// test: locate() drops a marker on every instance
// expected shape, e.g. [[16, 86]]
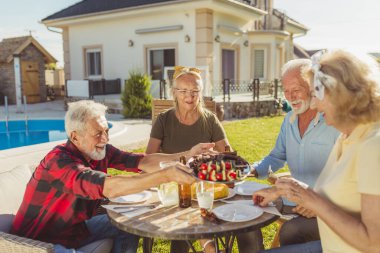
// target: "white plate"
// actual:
[[248, 188], [133, 198], [231, 193], [237, 212]]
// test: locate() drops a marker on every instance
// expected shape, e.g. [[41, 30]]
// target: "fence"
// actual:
[[104, 87], [91, 88], [229, 87]]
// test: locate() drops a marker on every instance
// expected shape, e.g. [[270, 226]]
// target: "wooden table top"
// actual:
[[175, 223]]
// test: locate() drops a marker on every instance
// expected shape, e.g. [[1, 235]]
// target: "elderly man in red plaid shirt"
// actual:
[[62, 197]]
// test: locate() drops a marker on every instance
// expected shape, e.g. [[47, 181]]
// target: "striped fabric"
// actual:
[[16, 244]]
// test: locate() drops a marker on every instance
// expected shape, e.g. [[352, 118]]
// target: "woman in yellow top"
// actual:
[[346, 197]]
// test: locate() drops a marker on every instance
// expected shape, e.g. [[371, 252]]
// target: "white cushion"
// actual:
[[12, 187]]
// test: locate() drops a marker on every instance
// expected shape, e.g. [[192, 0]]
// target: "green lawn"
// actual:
[[252, 138]]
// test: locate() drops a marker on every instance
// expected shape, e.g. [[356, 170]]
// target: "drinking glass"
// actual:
[[205, 194], [168, 194]]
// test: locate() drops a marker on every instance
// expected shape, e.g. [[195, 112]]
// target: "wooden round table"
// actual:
[[175, 223]]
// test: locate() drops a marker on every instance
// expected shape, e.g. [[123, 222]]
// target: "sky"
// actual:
[[23, 17], [347, 24]]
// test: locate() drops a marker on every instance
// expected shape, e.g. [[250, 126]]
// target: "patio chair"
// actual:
[[13, 182], [161, 105]]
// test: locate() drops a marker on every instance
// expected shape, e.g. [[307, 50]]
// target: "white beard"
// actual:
[[95, 155], [305, 105]]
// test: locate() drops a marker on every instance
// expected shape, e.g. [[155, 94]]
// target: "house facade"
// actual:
[[22, 70], [236, 40]]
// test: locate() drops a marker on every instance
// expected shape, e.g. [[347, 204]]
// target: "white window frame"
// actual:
[[88, 51]]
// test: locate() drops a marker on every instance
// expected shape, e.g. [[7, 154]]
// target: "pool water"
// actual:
[[34, 132]]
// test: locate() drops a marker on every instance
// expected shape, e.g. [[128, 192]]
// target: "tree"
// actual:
[[136, 98], [51, 66]]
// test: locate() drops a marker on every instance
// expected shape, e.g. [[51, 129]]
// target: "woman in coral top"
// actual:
[[346, 197]]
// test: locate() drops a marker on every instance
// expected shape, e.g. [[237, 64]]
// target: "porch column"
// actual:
[[205, 44], [17, 70]]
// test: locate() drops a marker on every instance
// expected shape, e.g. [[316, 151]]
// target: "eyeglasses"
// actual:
[[183, 92]]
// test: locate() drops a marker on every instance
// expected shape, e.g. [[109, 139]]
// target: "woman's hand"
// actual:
[[304, 211], [298, 192], [264, 196], [202, 148]]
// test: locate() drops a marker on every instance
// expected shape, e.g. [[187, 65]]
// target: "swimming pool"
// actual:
[[34, 132]]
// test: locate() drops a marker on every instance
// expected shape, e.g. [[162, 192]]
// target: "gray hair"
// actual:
[[302, 64], [80, 112], [198, 79], [199, 82]]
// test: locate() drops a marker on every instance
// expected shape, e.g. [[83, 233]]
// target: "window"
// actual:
[[94, 62], [158, 60], [259, 63]]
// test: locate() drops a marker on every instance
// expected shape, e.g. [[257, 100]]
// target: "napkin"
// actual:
[[271, 210], [267, 209], [127, 212]]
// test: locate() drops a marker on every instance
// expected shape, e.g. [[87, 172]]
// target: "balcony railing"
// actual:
[[104, 87], [91, 88], [229, 87]]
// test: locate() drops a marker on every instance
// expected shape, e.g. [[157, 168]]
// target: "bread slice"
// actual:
[[220, 191]]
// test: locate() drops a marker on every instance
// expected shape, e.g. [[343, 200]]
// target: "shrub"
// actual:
[[136, 98]]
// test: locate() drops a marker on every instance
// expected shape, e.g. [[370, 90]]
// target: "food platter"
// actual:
[[221, 168]]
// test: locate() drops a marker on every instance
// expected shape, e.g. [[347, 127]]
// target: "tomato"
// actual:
[[231, 175], [203, 166], [228, 165], [202, 176], [213, 166], [219, 176]]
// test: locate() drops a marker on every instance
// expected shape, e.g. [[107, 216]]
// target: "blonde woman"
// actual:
[[188, 122], [346, 197]]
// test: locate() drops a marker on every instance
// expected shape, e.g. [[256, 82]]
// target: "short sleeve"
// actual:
[[218, 132], [157, 131], [368, 165]]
